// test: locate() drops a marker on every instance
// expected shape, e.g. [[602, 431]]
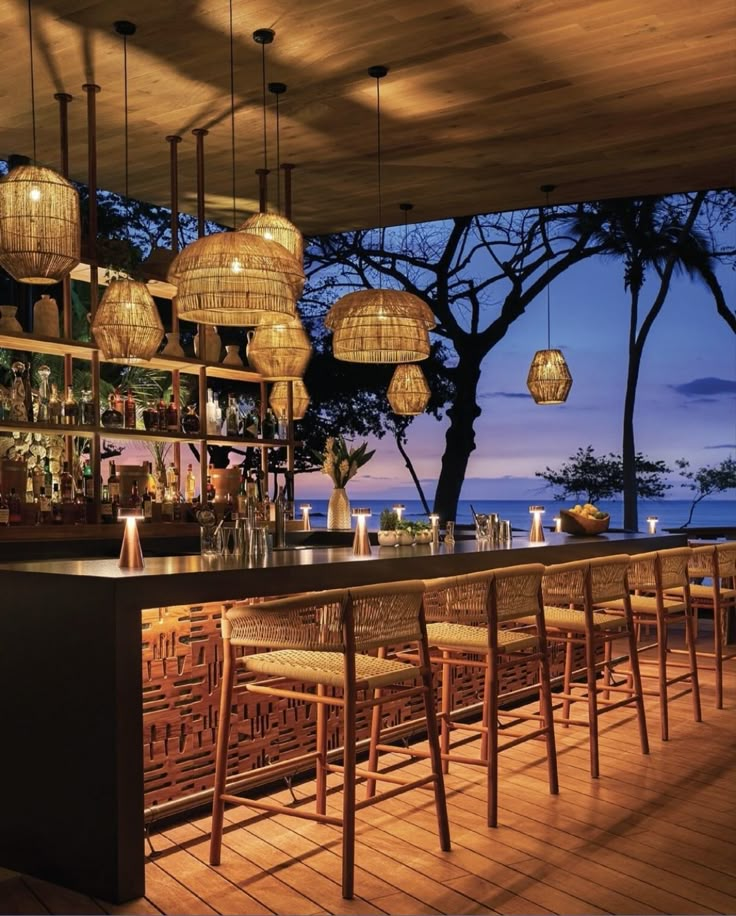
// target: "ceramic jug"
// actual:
[[8, 321], [212, 345], [46, 317]]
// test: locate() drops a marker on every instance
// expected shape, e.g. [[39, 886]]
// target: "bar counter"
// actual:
[[73, 696]]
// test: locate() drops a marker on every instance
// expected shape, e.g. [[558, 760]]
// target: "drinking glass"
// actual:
[[208, 541], [482, 530], [228, 541]]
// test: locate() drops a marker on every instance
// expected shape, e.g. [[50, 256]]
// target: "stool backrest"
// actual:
[[310, 620], [564, 583], [643, 571], [608, 577], [702, 561], [595, 580], [387, 614], [459, 599], [673, 567], [726, 558], [517, 590]]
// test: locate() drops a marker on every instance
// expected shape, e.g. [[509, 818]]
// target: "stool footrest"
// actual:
[[282, 809]]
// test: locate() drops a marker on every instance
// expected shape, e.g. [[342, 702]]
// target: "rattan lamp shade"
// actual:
[[408, 391], [300, 398], [127, 326], [235, 278], [280, 351], [380, 326], [39, 225], [276, 228], [549, 379]]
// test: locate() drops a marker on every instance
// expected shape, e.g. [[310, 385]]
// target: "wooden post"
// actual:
[[92, 89], [173, 140], [288, 168]]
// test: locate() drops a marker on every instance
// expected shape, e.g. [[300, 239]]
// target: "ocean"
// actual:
[[672, 513]]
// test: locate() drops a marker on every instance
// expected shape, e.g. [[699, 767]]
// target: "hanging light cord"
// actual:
[[378, 150], [125, 108], [549, 345], [263, 83], [33, 81], [232, 116], [278, 157]]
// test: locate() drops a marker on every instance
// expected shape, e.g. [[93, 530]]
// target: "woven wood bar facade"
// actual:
[[182, 665]]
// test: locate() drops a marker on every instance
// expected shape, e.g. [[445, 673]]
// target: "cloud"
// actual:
[[503, 394], [730, 447], [704, 387]]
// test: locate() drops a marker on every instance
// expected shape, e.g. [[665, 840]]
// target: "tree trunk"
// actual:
[[412, 472], [628, 447], [459, 439]]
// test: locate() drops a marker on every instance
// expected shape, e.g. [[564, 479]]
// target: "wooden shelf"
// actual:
[[54, 346], [254, 443], [217, 370], [47, 429], [146, 435]]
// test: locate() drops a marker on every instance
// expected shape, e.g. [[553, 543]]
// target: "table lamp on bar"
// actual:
[[558, 523], [131, 554], [536, 535], [305, 510], [435, 522], [398, 509], [361, 542], [652, 524]]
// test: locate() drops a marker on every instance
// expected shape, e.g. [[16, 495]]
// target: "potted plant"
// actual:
[[341, 464], [422, 533], [388, 534], [406, 533]]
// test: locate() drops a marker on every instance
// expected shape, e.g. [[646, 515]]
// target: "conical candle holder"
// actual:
[[131, 554]]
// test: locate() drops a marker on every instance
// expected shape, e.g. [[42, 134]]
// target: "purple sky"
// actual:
[[686, 404]]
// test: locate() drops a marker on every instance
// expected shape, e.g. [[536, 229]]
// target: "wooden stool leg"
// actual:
[[545, 706], [446, 701], [635, 680], [321, 762], [223, 739], [592, 702], [567, 678], [376, 714], [662, 665], [490, 702], [430, 712], [348, 796], [486, 715], [718, 640], [692, 653]]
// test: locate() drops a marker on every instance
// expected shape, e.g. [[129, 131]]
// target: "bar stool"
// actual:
[[571, 591], [321, 640], [716, 562], [651, 575], [470, 620]]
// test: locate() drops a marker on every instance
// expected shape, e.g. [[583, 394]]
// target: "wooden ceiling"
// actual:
[[485, 99]]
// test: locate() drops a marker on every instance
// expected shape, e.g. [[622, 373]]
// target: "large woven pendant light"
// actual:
[[377, 325], [280, 351], [235, 278], [549, 380], [273, 226], [40, 235], [408, 391], [127, 326], [278, 399]]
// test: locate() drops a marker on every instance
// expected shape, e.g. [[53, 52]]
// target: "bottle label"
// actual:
[[106, 510], [147, 508], [4, 516], [114, 490]]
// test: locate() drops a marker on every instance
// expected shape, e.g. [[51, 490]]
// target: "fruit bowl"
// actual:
[[581, 525]]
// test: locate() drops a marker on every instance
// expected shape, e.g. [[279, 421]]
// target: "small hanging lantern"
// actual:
[[40, 239], [280, 351], [299, 402], [275, 228], [408, 392], [127, 326], [549, 380]]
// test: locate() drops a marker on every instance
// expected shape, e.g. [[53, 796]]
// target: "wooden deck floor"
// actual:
[[655, 834]]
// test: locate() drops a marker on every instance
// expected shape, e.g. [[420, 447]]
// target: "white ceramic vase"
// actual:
[[232, 356], [212, 345], [8, 321], [46, 317]]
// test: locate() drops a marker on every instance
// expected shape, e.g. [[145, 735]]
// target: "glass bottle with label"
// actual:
[[172, 416], [71, 408], [269, 429], [210, 492], [86, 408], [231, 417], [67, 484], [190, 485], [44, 507], [211, 414], [151, 481], [88, 481], [113, 484], [129, 412], [54, 405], [29, 486], [190, 420], [44, 392], [150, 416], [147, 504], [283, 426], [14, 507], [106, 505], [161, 414], [118, 401], [111, 418], [4, 512]]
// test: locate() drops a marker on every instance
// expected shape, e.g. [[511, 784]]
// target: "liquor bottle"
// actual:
[[44, 507], [210, 492], [4, 512], [56, 517], [71, 408], [283, 426], [67, 484], [231, 417], [54, 405], [28, 391], [269, 428], [129, 412], [29, 486], [151, 482], [113, 484], [48, 477], [147, 503], [250, 424], [177, 507], [88, 481], [167, 507], [39, 480], [106, 505], [161, 414], [118, 401], [14, 510], [211, 414], [43, 394], [190, 420], [243, 493], [190, 484], [111, 418], [135, 497], [172, 416], [172, 480], [86, 408], [150, 416]]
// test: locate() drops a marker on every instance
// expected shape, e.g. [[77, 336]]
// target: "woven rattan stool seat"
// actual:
[[572, 621], [329, 668], [702, 592], [460, 636], [646, 604]]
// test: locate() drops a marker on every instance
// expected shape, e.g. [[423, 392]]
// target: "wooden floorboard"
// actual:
[[655, 834]]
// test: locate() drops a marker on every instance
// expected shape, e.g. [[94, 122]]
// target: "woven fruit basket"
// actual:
[[582, 525]]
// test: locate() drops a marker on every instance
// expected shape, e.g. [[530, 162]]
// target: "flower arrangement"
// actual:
[[341, 463]]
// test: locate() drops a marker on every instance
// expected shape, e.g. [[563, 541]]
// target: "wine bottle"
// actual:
[[130, 411], [67, 484]]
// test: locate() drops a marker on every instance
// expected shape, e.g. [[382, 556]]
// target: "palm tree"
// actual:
[[652, 236]]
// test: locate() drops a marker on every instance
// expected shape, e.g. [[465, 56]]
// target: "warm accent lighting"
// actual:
[[408, 393], [234, 278], [305, 510], [435, 523], [40, 238], [380, 326], [361, 542], [275, 228], [549, 380], [280, 351], [558, 523], [399, 509], [131, 554], [536, 534], [652, 524], [127, 326], [299, 401]]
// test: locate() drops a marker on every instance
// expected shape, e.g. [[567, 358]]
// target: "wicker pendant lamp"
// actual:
[[40, 235], [280, 351], [127, 326], [380, 325], [299, 402], [549, 380], [235, 278], [408, 392]]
